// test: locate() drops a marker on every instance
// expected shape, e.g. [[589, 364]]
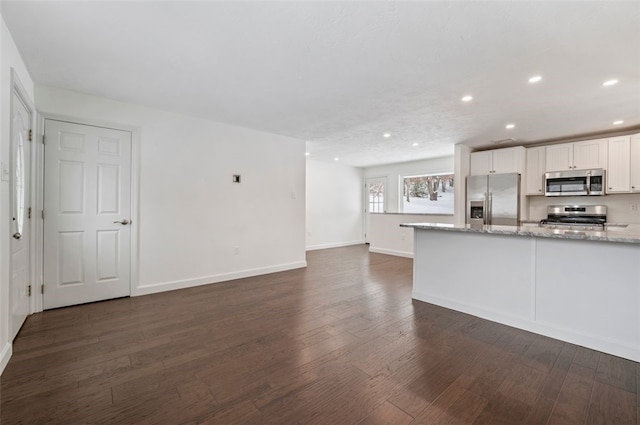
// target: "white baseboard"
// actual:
[[391, 252], [615, 347], [5, 355], [205, 280], [333, 245]]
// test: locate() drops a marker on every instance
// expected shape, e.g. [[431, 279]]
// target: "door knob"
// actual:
[[17, 235], [123, 222]]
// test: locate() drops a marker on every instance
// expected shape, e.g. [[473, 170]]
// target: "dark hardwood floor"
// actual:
[[340, 342]]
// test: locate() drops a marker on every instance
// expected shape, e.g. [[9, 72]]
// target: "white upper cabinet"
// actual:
[[534, 174], [576, 156], [634, 163], [480, 163], [506, 160], [618, 177], [590, 154], [559, 157]]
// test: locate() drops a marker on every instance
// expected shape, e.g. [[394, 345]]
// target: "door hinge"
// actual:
[[30, 135], [42, 289], [43, 214], [29, 290], [43, 142], [29, 213]]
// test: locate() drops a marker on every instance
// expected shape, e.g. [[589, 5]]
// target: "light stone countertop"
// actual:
[[615, 233]]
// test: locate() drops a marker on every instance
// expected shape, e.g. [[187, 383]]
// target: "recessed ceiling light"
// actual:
[[415, 144], [387, 135], [535, 79], [509, 126], [336, 159], [610, 83], [618, 122], [307, 154], [467, 98]]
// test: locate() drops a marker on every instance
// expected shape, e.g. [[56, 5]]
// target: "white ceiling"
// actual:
[[340, 74]]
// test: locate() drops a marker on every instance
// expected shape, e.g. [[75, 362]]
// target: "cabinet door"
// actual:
[[559, 157], [480, 163], [590, 154], [635, 163], [535, 170], [508, 160], [618, 172]]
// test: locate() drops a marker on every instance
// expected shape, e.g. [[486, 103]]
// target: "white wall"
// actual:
[[393, 172], [191, 215], [385, 234], [462, 158], [9, 58], [387, 237], [334, 205]]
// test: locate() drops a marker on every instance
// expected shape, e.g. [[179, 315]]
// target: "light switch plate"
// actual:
[[4, 172]]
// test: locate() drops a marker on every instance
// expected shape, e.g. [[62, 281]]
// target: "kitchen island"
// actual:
[[581, 287]]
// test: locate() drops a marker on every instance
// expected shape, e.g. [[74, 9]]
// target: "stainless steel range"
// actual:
[[575, 217]]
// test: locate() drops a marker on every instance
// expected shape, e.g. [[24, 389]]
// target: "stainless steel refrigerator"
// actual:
[[493, 199]]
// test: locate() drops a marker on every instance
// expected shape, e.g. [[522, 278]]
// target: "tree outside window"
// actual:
[[376, 197], [428, 194]]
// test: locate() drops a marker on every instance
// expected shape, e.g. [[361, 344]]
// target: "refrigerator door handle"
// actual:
[[485, 214], [490, 208]]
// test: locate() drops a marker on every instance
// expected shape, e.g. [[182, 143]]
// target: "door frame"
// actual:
[[365, 209], [21, 92], [135, 185]]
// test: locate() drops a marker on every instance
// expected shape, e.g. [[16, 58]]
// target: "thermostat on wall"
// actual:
[[236, 178]]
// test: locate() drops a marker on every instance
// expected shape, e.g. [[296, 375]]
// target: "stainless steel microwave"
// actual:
[[575, 183]]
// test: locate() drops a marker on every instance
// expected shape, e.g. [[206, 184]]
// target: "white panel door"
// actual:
[[87, 228], [20, 196], [374, 191]]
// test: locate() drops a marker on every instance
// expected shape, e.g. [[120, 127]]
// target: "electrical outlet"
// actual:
[[633, 207]]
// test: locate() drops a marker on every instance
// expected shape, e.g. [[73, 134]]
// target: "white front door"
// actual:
[[374, 192], [20, 213], [87, 204]]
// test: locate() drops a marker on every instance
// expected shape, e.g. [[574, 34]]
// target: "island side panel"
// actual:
[[487, 275], [581, 291], [589, 292]]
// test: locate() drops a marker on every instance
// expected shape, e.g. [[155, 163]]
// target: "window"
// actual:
[[376, 197], [428, 194]]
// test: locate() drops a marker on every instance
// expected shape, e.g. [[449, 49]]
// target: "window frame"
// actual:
[[402, 194]]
